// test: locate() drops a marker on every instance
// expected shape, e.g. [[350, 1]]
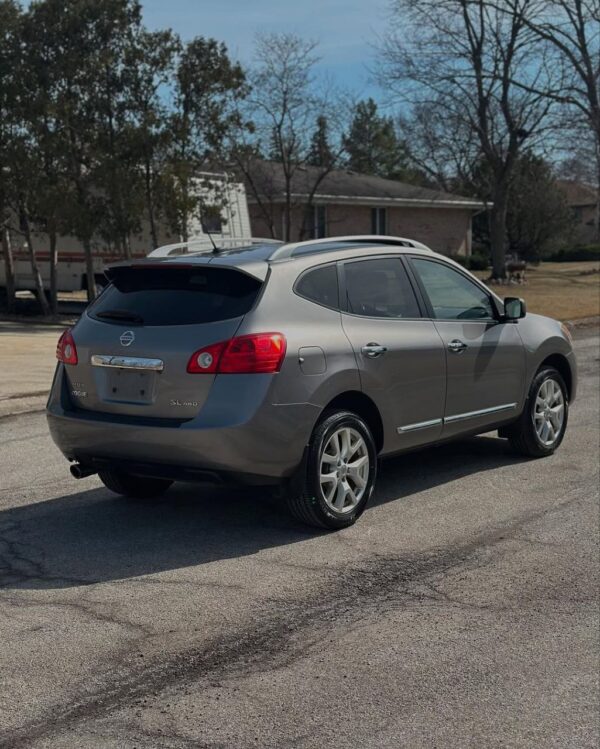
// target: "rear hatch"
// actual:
[[135, 341]]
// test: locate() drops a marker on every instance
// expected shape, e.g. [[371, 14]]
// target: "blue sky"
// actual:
[[345, 29]]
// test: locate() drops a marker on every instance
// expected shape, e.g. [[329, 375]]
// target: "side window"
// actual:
[[320, 285], [452, 296], [380, 288]]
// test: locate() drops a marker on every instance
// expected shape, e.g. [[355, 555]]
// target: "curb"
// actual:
[[17, 405], [23, 395], [583, 322]]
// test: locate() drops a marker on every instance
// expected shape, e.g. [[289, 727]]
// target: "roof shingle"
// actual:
[[344, 185]]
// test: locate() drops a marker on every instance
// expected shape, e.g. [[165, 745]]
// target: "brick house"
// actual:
[[346, 202], [582, 199]]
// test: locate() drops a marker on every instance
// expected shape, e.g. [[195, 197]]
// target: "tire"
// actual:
[[306, 495], [523, 436], [128, 485]]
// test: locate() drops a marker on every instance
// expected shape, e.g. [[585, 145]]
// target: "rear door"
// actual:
[[485, 357], [400, 355], [135, 341]]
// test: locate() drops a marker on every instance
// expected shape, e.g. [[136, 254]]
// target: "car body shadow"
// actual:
[[94, 536]]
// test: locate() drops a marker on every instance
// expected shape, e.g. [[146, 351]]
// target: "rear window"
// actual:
[[174, 296]]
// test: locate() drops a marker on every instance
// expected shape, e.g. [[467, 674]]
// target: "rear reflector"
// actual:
[[206, 360], [66, 351], [246, 354]]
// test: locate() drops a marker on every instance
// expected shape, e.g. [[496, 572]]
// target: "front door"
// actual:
[[400, 356], [485, 357]]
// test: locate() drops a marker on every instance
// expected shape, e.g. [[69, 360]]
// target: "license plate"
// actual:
[[131, 387]]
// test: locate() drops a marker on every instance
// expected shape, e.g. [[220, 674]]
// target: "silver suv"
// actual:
[[299, 365]]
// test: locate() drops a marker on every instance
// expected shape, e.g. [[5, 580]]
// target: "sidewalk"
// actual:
[[27, 362]]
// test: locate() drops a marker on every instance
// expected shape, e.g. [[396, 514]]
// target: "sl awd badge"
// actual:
[[127, 338]]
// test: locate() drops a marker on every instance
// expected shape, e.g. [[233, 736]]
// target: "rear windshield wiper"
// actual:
[[121, 314]]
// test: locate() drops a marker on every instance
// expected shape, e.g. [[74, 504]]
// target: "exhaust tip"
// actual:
[[80, 471]]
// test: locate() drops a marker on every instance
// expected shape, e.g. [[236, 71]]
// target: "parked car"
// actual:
[[299, 365]]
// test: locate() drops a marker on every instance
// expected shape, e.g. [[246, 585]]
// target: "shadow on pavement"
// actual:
[[94, 536]]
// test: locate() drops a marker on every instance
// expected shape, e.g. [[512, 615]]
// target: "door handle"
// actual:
[[373, 350], [457, 346]]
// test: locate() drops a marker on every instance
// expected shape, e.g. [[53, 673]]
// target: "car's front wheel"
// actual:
[[541, 427], [338, 475], [138, 487]]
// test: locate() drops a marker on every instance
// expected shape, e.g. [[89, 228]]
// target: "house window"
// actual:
[[378, 221], [319, 222]]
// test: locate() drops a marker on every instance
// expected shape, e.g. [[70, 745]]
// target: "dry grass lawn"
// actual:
[[566, 291]]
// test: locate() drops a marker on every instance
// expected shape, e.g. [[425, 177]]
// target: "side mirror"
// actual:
[[514, 308]]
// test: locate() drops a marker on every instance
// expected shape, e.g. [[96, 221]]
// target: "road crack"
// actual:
[[272, 640]]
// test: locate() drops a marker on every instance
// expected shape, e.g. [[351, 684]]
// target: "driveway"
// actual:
[[461, 611]]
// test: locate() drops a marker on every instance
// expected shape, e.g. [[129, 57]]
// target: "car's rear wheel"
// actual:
[[338, 475], [541, 427], [138, 487]]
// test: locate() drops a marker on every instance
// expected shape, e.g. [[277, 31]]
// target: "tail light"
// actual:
[[260, 352], [66, 351]]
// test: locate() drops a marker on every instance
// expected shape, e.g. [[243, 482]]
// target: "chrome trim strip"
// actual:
[[457, 417], [482, 412], [419, 425], [128, 362]]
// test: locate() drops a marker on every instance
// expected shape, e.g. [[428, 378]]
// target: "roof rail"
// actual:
[[204, 244], [288, 250]]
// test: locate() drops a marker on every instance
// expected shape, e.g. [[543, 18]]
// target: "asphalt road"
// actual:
[[461, 611]]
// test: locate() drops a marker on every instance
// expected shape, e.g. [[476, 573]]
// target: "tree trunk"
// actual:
[[184, 225], [597, 211], [287, 211], [150, 204], [53, 273], [498, 232], [9, 270], [152, 220], [185, 211], [35, 268], [89, 270], [305, 225], [127, 247]]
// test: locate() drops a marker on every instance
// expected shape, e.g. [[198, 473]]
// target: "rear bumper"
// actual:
[[265, 440]]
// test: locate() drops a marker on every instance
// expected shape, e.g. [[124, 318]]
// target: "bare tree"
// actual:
[[9, 24], [477, 66], [285, 105], [571, 31], [439, 145], [9, 269]]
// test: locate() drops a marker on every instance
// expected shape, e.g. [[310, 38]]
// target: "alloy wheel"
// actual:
[[549, 412], [344, 469]]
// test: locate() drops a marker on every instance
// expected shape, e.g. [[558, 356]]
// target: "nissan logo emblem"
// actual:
[[127, 338]]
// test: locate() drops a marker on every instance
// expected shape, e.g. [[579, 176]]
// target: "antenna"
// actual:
[[212, 241]]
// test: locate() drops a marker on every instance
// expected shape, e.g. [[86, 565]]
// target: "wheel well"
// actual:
[[363, 406], [560, 363]]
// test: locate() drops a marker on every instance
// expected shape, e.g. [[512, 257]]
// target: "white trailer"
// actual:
[[233, 222]]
